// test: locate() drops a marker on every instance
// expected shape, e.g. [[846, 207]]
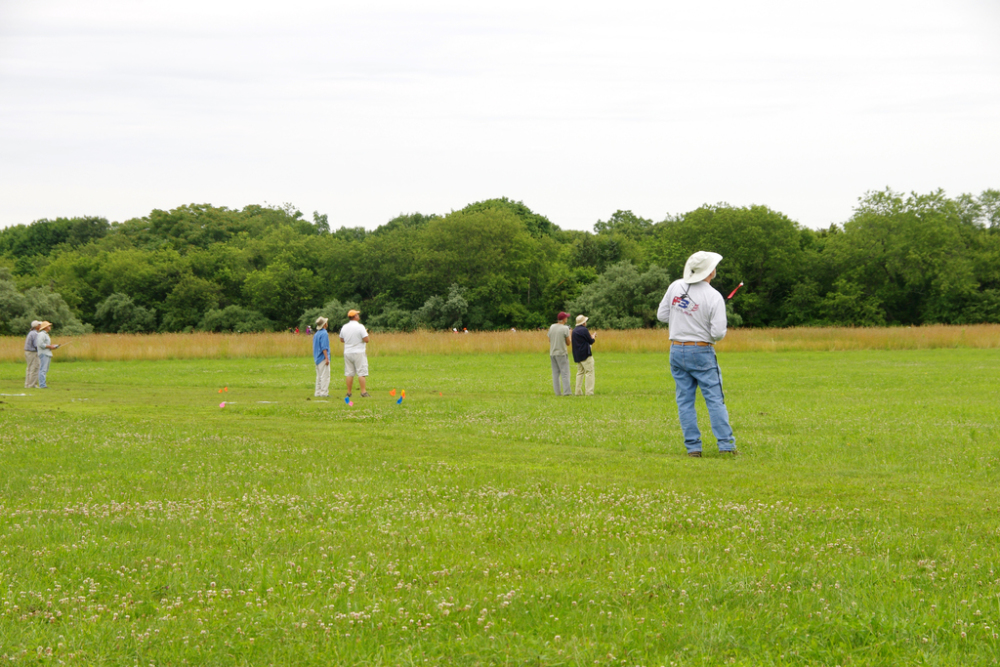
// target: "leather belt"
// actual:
[[698, 343]]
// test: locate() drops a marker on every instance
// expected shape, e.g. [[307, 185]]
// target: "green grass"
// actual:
[[485, 521]]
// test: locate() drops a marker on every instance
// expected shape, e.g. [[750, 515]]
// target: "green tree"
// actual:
[[622, 298], [490, 253], [536, 224], [393, 317], [236, 319], [321, 222], [910, 254], [625, 223], [18, 309], [119, 314], [280, 292], [188, 302], [445, 312], [847, 305]]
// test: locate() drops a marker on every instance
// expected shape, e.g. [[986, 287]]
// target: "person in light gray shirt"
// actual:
[[559, 338], [31, 356], [696, 313]]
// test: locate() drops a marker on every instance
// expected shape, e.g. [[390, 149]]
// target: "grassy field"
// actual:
[[150, 347], [485, 521]]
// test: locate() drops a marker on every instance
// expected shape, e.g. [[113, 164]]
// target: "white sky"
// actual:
[[365, 110]]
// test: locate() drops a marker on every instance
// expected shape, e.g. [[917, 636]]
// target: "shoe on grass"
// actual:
[[365, 394], [730, 452], [694, 455]]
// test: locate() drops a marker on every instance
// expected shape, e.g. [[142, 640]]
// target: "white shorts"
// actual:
[[355, 363]]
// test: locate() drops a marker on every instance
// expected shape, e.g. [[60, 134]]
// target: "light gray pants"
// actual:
[[31, 375], [560, 371], [322, 379]]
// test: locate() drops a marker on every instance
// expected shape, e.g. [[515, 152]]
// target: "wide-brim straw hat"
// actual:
[[321, 322], [700, 266], [581, 319], [44, 325]]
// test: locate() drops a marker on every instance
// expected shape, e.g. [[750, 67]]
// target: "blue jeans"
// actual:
[[695, 366], [43, 370]]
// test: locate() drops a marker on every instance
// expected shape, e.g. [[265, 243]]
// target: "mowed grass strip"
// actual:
[[158, 347], [485, 521]]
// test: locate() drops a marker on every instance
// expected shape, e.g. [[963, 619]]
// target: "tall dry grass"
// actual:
[[131, 347]]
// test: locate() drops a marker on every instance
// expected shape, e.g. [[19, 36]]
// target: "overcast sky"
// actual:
[[365, 110]]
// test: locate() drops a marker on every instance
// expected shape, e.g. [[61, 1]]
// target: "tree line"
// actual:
[[899, 260]]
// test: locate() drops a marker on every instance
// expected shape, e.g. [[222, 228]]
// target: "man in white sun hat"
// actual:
[[696, 313]]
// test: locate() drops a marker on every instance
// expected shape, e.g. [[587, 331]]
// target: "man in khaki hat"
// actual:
[[582, 339], [696, 313], [31, 356], [321, 355], [354, 336]]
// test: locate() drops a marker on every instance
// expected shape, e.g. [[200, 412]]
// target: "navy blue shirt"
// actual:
[[582, 341]]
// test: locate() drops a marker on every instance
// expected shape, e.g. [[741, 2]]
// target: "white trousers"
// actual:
[[585, 377], [322, 379]]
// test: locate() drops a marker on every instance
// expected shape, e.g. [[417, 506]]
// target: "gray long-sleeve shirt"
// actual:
[[700, 317]]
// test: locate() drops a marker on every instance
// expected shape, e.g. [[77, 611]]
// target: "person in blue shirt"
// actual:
[[321, 355]]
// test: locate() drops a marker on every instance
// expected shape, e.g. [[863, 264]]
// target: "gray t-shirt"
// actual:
[[558, 333], [696, 313]]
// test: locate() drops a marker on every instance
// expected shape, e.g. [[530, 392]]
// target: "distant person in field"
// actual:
[[31, 356], [696, 313], [321, 355], [582, 339], [354, 336], [44, 344], [559, 338]]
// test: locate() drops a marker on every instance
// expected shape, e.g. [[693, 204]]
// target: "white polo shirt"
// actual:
[[353, 334]]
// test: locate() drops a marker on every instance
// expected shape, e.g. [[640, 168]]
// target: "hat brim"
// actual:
[[705, 271]]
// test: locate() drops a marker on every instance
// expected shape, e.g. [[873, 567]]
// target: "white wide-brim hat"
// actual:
[[700, 266]]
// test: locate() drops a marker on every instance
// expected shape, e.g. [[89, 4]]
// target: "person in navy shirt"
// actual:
[[582, 339]]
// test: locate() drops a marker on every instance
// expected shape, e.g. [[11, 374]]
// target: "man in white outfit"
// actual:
[[696, 313], [354, 336]]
